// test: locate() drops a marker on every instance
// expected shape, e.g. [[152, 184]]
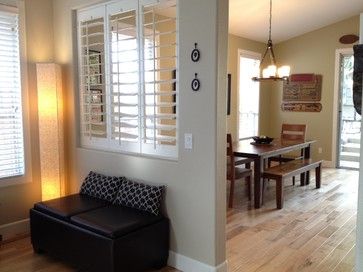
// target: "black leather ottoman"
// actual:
[[97, 236], [67, 206]]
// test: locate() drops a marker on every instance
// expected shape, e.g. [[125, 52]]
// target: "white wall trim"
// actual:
[[338, 54], [13, 229], [187, 264]]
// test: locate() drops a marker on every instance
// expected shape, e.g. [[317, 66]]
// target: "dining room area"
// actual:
[[291, 203], [287, 208]]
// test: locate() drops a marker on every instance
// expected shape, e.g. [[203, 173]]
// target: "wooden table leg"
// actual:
[[258, 164], [318, 176], [280, 193], [307, 156]]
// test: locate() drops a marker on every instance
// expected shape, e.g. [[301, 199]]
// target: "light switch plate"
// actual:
[[188, 141]]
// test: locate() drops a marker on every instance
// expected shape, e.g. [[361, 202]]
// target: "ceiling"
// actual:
[[290, 18]]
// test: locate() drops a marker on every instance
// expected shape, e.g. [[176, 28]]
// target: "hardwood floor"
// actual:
[[314, 232]]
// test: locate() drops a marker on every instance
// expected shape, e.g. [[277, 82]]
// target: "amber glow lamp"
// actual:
[[50, 117]]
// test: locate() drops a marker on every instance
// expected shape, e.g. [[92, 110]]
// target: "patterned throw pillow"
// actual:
[[101, 186], [139, 196]]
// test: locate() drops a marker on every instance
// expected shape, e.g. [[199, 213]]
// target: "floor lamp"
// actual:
[[51, 141]]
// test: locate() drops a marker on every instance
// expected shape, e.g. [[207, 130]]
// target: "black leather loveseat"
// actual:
[[113, 228]]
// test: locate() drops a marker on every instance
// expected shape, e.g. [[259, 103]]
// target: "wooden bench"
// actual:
[[290, 169]]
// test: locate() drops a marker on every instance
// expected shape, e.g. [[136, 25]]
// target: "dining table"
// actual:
[[261, 152]]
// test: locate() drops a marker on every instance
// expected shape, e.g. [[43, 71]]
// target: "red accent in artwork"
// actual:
[[302, 77]]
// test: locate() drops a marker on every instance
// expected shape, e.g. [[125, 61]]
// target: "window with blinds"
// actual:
[[11, 126], [137, 44]]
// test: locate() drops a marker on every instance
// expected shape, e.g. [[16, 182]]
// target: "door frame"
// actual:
[[336, 105], [252, 54]]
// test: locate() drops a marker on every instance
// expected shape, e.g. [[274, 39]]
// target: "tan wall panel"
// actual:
[[313, 52]]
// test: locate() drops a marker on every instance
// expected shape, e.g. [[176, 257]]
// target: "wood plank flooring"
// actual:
[[314, 232]]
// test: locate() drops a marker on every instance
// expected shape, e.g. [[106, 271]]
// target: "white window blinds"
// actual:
[[11, 127], [137, 44]]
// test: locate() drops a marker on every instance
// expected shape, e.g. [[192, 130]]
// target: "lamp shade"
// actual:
[[50, 117], [284, 71]]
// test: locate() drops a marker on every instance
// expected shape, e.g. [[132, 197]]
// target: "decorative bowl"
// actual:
[[262, 139]]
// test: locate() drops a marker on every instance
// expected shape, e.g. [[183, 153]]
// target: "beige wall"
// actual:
[[194, 202], [313, 52], [234, 44], [15, 200]]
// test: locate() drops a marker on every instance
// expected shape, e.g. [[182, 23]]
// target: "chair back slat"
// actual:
[[293, 132]]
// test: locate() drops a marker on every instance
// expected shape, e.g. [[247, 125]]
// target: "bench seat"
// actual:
[[290, 169]]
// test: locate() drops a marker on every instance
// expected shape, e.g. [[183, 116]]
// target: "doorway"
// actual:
[[248, 94], [349, 121]]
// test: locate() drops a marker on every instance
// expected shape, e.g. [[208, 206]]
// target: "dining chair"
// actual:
[[236, 172], [290, 132]]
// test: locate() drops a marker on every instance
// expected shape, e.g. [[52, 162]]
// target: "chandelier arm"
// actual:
[[264, 55], [272, 55]]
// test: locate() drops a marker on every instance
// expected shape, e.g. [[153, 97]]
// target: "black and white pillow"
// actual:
[[139, 196], [101, 186]]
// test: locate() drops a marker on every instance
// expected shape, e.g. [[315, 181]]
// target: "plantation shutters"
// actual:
[[11, 124], [159, 77], [138, 44], [92, 75], [125, 76]]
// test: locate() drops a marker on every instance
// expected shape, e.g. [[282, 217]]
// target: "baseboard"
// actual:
[[14, 229], [328, 164], [187, 264]]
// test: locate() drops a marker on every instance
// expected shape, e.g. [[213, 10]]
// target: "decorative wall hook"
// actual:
[[195, 56], [196, 83]]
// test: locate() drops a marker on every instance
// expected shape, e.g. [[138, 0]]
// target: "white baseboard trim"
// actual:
[[187, 264], [11, 230], [328, 164]]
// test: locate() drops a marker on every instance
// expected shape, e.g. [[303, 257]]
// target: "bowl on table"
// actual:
[[262, 139]]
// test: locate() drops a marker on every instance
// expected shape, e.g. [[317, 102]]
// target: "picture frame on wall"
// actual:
[[174, 90], [229, 83]]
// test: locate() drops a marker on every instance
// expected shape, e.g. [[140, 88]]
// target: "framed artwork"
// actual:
[[229, 94], [174, 90], [302, 87], [301, 107]]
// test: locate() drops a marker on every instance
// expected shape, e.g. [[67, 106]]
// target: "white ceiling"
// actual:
[[290, 18]]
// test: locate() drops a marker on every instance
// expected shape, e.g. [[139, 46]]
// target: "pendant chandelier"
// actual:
[[272, 72]]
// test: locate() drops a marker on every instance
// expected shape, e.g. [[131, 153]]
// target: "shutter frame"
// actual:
[[128, 101]]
